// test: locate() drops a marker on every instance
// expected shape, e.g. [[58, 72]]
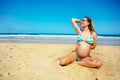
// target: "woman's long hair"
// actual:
[[90, 26]]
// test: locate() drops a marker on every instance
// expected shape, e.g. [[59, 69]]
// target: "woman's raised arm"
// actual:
[[74, 22]]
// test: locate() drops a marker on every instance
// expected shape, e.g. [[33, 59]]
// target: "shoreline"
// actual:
[[58, 39]]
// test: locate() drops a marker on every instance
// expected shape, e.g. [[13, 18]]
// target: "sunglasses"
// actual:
[[83, 20]]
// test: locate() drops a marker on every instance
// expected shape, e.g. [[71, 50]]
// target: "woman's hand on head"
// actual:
[[73, 18], [76, 20]]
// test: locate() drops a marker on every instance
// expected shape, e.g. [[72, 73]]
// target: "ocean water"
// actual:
[[56, 38], [54, 16]]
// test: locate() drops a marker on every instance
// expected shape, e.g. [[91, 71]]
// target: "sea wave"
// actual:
[[49, 36], [70, 39], [38, 36]]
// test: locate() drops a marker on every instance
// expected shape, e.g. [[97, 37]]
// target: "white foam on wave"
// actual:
[[38, 36], [56, 39], [109, 37], [51, 36]]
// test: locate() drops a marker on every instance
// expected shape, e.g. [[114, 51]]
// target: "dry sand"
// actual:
[[32, 61]]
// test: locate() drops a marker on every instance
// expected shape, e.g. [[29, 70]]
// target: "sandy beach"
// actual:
[[36, 61]]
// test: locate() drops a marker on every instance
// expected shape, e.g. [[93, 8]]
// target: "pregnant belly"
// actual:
[[83, 49]]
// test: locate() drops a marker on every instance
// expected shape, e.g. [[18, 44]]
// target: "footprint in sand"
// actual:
[[0, 60], [10, 56], [96, 79], [5, 74], [10, 48], [1, 75]]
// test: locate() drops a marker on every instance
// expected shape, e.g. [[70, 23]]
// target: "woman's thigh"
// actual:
[[71, 57], [91, 62]]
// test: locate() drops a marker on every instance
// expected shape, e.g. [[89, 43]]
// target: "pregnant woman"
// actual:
[[87, 39]]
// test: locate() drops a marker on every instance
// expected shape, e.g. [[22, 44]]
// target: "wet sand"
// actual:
[[36, 61]]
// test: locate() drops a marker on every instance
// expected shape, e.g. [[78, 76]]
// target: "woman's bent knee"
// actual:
[[63, 62], [99, 64]]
